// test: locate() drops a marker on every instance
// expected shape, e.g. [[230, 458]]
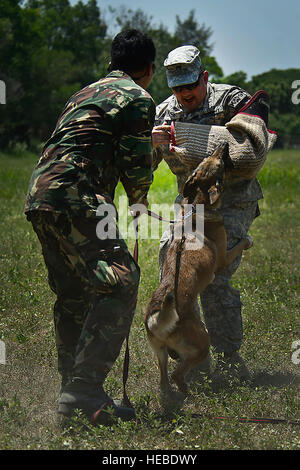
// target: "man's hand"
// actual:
[[140, 208], [161, 135]]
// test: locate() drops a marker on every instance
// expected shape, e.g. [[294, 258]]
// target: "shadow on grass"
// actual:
[[276, 379]]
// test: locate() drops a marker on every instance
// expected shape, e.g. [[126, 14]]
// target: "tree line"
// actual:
[[49, 49]]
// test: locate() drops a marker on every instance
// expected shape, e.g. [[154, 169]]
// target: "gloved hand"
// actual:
[[161, 135]]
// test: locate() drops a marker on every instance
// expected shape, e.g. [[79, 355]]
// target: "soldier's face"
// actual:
[[190, 99]]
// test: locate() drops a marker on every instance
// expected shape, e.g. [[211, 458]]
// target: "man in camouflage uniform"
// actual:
[[198, 101], [102, 136]]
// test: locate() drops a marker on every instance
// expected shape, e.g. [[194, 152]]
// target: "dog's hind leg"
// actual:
[[188, 362]]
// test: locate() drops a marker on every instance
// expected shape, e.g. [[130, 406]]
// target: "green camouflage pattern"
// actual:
[[103, 136], [96, 283]]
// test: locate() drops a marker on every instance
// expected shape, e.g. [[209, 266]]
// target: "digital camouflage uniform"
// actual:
[[102, 136], [220, 301]]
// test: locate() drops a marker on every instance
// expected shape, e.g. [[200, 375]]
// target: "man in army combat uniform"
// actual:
[[102, 136], [195, 100]]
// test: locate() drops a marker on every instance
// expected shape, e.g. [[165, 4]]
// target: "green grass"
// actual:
[[269, 283]]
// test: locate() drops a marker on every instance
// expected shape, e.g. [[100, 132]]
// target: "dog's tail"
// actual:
[[163, 321]]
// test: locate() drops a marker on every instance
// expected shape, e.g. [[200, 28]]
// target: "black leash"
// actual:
[[126, 400], [159, 217], [180, 246], [177, 268]]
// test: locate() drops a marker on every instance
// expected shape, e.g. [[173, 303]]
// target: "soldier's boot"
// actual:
[[230, 366], [258, 105], [65, 379], [92, 400]]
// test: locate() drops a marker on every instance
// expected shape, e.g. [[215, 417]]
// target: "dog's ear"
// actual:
[[226, 157], [214, 193], [221, 150], [191, 185]]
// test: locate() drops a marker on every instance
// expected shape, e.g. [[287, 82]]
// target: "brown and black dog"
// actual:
[[171, 320]]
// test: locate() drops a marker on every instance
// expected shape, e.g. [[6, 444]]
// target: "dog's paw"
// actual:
[[171, 400], [249, 243]]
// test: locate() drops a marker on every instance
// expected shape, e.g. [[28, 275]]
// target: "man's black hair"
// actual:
[[131, 51]]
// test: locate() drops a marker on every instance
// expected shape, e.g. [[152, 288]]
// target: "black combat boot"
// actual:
[[92, 400]]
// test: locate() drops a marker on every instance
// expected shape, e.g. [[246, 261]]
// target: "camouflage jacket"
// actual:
[[221, 103], [102, 136]]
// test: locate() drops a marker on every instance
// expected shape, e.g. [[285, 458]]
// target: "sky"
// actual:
[[250, 35]]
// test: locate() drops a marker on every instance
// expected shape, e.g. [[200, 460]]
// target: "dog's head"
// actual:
[[205, 184]]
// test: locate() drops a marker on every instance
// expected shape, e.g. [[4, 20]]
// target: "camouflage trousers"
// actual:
[[96, 283], [220, 301]]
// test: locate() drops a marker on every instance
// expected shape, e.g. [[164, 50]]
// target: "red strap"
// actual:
[[252, 99], [173, 140]]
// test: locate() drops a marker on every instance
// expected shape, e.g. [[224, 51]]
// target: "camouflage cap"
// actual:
[[183, 66]]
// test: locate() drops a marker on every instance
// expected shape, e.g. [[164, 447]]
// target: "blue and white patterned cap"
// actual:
[[183, 66]]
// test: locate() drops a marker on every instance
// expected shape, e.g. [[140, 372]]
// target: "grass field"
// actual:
[[269, 283]]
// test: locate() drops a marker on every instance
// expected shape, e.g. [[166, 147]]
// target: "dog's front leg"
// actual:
[[162, 356], [179, 374]]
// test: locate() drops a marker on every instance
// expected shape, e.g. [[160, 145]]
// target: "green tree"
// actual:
[[285, 114], [49, 50], [77, 29], [189, 32], [21, 35], [238, 78], [126, 18]]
